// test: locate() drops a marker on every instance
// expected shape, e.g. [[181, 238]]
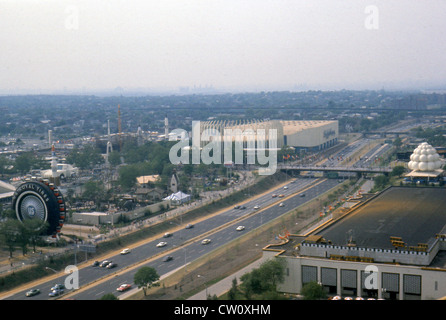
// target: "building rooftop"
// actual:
[[290, 127], [405, 225], [415, 215]]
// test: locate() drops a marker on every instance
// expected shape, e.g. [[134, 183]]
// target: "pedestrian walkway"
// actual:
[[224, 285]]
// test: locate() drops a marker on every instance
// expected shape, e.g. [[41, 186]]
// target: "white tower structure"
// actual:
[[54, 176], [53, 162], [109, 145], [50, 137], [166, 128]]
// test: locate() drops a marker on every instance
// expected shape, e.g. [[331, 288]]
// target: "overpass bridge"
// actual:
[[384, 134], [358, 170]]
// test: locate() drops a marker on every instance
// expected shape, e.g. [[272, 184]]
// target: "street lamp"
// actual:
[[48, 268], [200, 276]]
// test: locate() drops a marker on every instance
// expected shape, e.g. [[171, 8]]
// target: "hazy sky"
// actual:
[[221, 43]]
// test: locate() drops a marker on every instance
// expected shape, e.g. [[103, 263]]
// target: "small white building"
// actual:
[[178, 198]]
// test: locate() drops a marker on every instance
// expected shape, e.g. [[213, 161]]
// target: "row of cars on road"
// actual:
[[55, 291], [105, 264]]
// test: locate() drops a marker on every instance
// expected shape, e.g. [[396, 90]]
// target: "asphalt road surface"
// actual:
[[187, 242]]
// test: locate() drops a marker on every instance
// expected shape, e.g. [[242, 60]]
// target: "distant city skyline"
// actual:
[[208, 46]]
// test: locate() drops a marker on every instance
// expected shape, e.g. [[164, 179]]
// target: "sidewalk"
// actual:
[[224, 285]]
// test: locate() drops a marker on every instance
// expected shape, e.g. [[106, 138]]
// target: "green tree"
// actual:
[[85, 158], [232, 294], [381, 182], [24, 162], [109, 296], [114, 158], [397, 142], [145, 278], [33, 229], [93, 191], [313, 291], [263, 279], [9, 235], [397, 171], [127, 176], [4, 163]]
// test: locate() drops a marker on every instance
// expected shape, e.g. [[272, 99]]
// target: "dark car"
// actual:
[[56, 293], [104, 263], [58, 286], [189, 226], [167, 258]]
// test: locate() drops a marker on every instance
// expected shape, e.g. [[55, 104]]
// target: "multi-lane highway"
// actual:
[[185, 245]]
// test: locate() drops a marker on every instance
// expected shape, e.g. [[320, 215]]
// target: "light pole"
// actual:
[[200, 276], [48, 268]]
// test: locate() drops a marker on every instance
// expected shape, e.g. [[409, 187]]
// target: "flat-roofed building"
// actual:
[[311, 135], [391, 246]]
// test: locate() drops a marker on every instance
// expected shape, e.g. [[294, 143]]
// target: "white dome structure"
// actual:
[[425, 158], [425, 163]]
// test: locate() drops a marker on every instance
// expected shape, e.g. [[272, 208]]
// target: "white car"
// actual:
[[161, 244], [125, 251], [64, 170], [256, 208], [206, 241], [281, 204], [240, 228]]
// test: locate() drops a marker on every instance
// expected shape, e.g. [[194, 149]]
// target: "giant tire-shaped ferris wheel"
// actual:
[[40, 200]]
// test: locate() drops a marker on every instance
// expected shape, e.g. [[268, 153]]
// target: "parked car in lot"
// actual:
[[123, 287], [161, 244], [206, 241], [32, 292]]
